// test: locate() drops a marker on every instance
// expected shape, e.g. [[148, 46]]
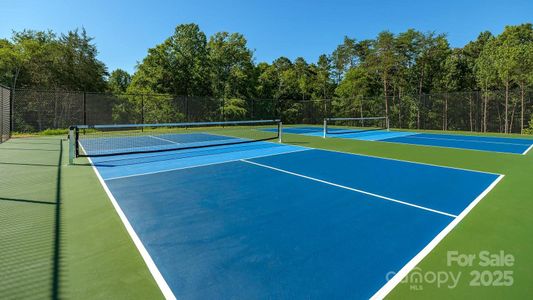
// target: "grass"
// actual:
[[61, 237]]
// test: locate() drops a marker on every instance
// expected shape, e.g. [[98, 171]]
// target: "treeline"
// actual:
[[47, 61], [392, 74]]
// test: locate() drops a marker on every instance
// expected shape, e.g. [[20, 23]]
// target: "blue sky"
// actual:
[[124, 30]]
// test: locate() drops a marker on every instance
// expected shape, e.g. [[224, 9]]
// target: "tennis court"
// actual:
[[456, 141], [269, 220]]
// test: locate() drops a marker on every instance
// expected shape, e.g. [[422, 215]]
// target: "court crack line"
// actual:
[[351, 189]]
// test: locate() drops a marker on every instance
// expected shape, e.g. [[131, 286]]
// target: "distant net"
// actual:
[[107, 140], [354, 125]]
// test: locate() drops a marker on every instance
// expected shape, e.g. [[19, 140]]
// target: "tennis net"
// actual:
[[354, 125], [107, 140]]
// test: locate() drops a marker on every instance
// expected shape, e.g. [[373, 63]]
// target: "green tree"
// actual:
[[41, 59], [344, 57], [234, 109], [79, 67], [304, 77], [452, 79], [384, 61], [352, 90], [178, 66], [119, 81], [12, 59], [324, 84], [432, 51], [485, 73], [520, 40], [231, 65]]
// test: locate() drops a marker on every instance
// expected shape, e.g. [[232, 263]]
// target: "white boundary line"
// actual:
[[433, 146], [350, 189], [527, 150], [159, 279], [448, 147], [204, 165], [471, 141], [394, 281], [400, 160]]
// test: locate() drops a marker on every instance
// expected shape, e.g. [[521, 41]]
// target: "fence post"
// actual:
[[187, 108], [252, 110], [142, 109], [142, 112], [84, 108], [71, 145], [325, 129], [223, 104], [12, 110], [2, 114]]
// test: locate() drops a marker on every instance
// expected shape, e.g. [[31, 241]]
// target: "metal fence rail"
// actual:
[[36, 110], [5, 114]]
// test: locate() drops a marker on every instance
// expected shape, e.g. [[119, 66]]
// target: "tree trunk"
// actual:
[[385, 93], [485, 108], [399, 107], [445, 113], [471, 103], [512, 118], [393, 102], [419, 100], [499, 118], [361, 106], [506, 107], [522, 86]]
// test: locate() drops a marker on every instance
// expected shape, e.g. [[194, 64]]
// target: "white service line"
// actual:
[[159, 279], [397, 278], [448, 147], [159, 138], [402, 160], [351, 189], [204, 165]]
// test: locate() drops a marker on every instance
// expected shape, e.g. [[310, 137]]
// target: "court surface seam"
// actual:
[[350, 189]]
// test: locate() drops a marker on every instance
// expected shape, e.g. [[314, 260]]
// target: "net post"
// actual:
[[280, 131], [325, 128], [71, 145], [387, 123]]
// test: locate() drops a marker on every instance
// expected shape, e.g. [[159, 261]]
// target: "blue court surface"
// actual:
[[267, 220], [469, 142]]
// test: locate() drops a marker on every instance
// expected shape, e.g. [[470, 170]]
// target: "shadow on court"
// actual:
[[30, 220]]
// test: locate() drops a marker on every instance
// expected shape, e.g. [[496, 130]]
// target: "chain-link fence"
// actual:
[[35, 111], [5, 114]]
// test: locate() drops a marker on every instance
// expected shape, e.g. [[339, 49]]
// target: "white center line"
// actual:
[[351, 189]]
